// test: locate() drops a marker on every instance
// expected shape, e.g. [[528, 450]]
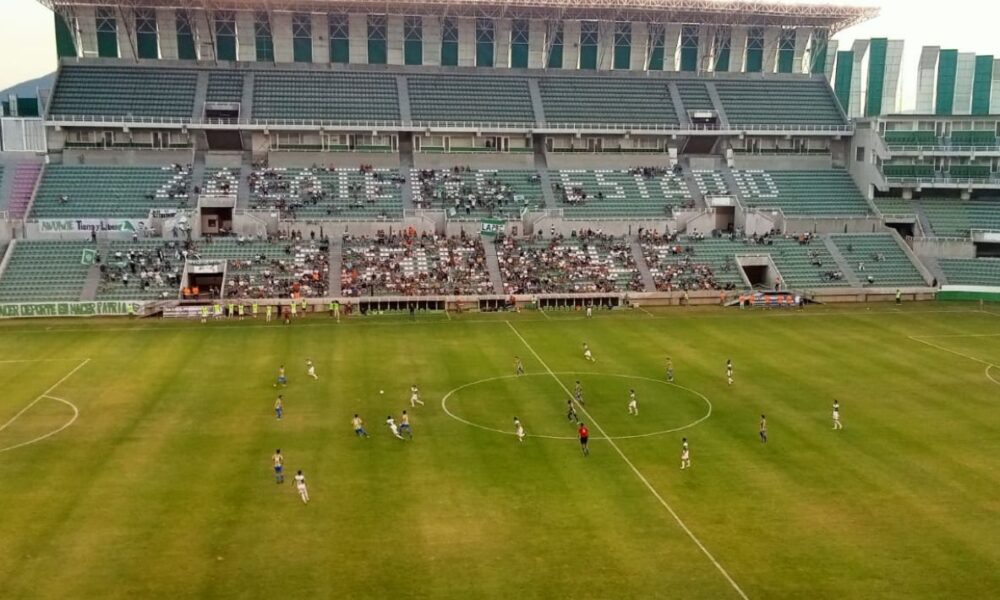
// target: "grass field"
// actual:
[[162, 485]]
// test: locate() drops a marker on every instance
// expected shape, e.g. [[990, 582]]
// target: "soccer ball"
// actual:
[[381, 391]]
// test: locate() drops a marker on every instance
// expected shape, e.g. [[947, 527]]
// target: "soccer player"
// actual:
[[415, 396], [729, 371], [279, 466], [300, 484], [518, 366], [404, 424], [578, 394], [685, 455], [590, 311], [587, 354], [204, 314], [633, 405], [311, 368], [391, 423], [282, 380], [763, 429], [359, 426], [571, 412], [836, 416], [254, 309], [279, 407], [584, 434], [670, 370], [268, 311], [241, 310], [518, 429]]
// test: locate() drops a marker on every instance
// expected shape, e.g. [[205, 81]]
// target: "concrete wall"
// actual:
[[783, 163], [536, 44], [803, 36], [891, 99], [738, 50], [771, 37], [156, 158], [501, 44], [86, 21], [126, 35], [432, 41], [995, 89], [166, 25], [927, 79], [394, 41], [935, 248], [246, 42], [205, 36], [357, 30], [605, 45], [337, 159], [671, 47], [423, 160], [964, 74], [859, 79], [281, 33], [466, 42], [571, 45], [640, 46], [320, 38]]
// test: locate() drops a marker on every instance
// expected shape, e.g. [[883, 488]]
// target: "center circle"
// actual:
[[555, 409]]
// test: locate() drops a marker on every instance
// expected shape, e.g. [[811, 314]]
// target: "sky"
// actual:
[[27, 44]]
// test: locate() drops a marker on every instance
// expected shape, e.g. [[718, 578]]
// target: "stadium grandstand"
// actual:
[[489, 149]]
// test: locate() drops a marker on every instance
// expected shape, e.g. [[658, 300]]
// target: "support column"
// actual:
[[501, 44], [964, 74], [706, 39], [802, 36], [671, 43], [640, 46], [771, 37], [927, 79], [126, 34], [204, 35], [432, 41], [357, 26], [571, 45], [893, 68], [738, 50], [246, 40], [281, 33], [831, 58], [859, 79], [995, 89], [536, 44], [605, 45], [394, 40], [466, 42], [166, 26], [87, 22], [320, 38]]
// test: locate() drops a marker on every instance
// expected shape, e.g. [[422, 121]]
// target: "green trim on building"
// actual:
[[378, 52], [786, 60], [722, 61], [484, 54], [947, 67], [656, 59], [842, 78], [555, 57], [225, 47], [588, 57], [65, 43], [519, 56], [819, 57], [876, 76], [689, 60], [413, 52], [107, 44], [147, 45], [982, 85], [449, 54], [755, 60]]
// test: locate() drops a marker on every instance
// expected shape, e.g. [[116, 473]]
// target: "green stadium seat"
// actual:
[[568, 264], [470, 99], [45, 272], [324, 193], [99, 192], [121, 92], [951, 217], [609, 193], [898, 137], [599, 100], [879, 256], [502, 194], [971, 271], [815, 193], [802, 102], [323, 96]]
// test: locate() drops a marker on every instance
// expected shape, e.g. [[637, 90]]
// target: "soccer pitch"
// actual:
[[136, 457]]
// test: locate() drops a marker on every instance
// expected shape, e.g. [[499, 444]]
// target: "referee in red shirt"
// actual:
[[584, 434]]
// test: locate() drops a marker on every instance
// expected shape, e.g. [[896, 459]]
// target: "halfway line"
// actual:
[[638, 474]]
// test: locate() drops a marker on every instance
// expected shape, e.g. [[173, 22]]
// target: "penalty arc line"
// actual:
[[76, 414], [988, 364], [44, 394], [635, 470]]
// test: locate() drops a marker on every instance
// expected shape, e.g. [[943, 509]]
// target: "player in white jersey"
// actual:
[[311, 369], [633, 405], [587, 353], [685, 455], [518, 429], [836, 416], [415, 396], [300, 485], [729, 371], [391, 423]]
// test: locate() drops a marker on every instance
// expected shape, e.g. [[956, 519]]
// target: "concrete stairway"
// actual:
[[493, 266], [842, 262], [542, 166], [336, 264], [243, 185], [22, 188], [640, 262]]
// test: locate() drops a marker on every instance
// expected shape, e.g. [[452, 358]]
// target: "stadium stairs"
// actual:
[[243, 185], [692, 185], [542, 166], [23, 184], [336, 264], [842, 264], [406, 166], [648, 283], [493, 266]]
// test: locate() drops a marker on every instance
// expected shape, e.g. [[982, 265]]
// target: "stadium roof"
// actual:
[[716, 12]]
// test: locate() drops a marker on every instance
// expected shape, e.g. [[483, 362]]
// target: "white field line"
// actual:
[[44, 394], [957, 335], [635, 470], [988, 364], [399, 323], [646, 311], [76, 414]]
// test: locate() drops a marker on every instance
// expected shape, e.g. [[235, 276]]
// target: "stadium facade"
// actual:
[[190, 137]]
